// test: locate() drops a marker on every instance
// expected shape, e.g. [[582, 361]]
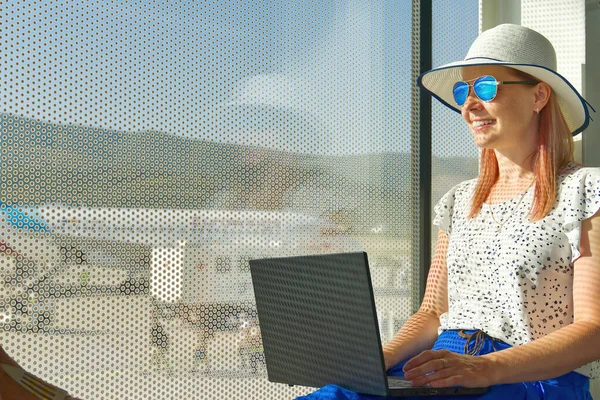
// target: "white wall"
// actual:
[[591, 91]]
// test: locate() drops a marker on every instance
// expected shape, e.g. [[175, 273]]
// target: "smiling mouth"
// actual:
[[482, 124]]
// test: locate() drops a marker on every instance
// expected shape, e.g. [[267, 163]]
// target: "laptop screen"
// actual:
[[318, 321]]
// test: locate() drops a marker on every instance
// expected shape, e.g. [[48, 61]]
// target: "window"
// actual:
[[153, 135]]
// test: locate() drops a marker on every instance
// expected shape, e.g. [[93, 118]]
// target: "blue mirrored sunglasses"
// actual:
[[485, 87]]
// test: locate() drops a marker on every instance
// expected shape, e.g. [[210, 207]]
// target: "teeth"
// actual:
[[482, 123]]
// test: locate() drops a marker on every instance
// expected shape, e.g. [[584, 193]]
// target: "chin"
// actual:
[[484, 141], [480, 141]]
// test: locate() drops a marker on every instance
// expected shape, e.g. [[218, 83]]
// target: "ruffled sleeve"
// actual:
[[579, 200], [444, 210]]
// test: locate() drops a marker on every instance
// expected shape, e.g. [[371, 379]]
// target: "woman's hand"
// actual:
[[442, 368]]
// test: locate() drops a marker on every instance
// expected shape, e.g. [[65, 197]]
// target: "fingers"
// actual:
[[444, 369], [432, 367], [455, 380], [451, 380], [429, 367], [424, 357], [437, 378]]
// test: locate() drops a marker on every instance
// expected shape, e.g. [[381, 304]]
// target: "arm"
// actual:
[[420, 332], [548, 357]]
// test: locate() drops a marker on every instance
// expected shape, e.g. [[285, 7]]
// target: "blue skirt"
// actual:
[[571, 386]]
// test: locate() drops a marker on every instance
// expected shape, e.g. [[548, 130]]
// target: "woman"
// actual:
[[512, 299]]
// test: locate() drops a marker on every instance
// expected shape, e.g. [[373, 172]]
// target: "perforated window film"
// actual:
[[148, 150], [563, 23], [455, 155]]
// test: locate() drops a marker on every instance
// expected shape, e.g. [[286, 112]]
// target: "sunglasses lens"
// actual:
[[460, 92], [486, 88]]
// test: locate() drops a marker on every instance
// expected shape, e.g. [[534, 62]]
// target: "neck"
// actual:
[[515, 168]]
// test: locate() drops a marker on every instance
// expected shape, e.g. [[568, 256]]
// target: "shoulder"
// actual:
[[578, 197], [578, 190], [456, 198], [462, 190], [578, 200], [575, 177]]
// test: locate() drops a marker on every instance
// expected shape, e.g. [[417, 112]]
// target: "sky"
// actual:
[[318, 77]]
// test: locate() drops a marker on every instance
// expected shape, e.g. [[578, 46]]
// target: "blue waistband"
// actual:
[[454, 341]]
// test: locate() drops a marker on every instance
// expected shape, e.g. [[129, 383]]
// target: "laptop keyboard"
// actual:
[[398, 382]]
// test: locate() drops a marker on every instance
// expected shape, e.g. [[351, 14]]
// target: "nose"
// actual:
[[472, 102]]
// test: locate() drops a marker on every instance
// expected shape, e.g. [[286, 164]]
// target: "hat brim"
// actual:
[[440, 81]]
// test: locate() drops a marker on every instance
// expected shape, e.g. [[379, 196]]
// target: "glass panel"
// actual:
[[455, 155], [148, 150]]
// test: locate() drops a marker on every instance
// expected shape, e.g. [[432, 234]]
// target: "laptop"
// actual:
[[319, 325]]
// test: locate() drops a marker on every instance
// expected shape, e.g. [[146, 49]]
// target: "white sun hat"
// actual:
[[517, 47]]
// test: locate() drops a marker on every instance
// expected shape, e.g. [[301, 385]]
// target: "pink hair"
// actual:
[[554, 151]]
